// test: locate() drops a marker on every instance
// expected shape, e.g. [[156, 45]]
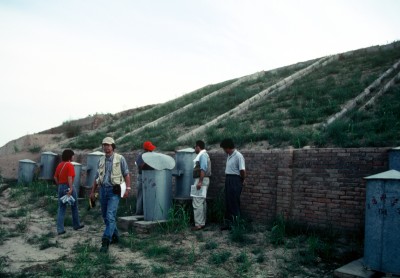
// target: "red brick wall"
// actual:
[[319, 187]]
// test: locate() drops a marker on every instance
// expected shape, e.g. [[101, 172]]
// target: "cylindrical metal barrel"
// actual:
[[77, 179], [157, 194], [394, 159], [26, 171], [48, 164], [92, 164], [382, 223], [184, 164]]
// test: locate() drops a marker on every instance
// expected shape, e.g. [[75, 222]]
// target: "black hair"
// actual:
[[201, 144], [112, 145], [67, 155], [227, 143]]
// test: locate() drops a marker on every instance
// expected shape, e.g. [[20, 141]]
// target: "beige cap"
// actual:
[[108, 140]]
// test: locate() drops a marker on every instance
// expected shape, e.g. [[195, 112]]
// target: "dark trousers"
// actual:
[[233, 189]]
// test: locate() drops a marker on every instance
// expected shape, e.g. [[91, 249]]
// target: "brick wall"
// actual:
[[320, 187]]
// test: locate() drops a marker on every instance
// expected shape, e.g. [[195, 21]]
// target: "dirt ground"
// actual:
[[20, 255]]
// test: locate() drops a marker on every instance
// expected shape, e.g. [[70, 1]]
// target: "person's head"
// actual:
[[148, 146], [67, 155], [228, 145], [200, 145], [108, 145]]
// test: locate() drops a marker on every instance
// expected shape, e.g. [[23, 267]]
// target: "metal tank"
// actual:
[[48, 164], [92, 163], [382, 223], [77, 179], [26, 171], [184, 172], [394, 159], [157, 186]]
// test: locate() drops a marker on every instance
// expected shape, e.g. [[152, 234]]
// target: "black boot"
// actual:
[[105, 242], [114, 239]]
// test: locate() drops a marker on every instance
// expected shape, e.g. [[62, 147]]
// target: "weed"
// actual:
[[3, 264], [159, 270], [278, 231], [86, 141], [21, 212], [244, 263], [35, 149], [156, 251], [200, 237], [3, 235], [70, 129], [219, 258], [210, 245], [216, 211], [238, 233], [16, 148], [135, 268], [178, 219], [44, 241], [260, 258], [22, 226]]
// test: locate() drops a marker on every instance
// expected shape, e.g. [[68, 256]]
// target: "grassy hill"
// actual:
[[290, 106]]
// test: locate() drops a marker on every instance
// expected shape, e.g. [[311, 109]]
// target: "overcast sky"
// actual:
[[65, 59]]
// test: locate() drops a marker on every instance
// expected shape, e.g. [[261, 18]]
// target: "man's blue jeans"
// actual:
[[109, 206], [62, 189]]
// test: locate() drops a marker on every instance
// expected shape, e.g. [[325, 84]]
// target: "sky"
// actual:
[[62, 60]]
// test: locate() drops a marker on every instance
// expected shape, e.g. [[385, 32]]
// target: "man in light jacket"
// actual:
[[112, 171]]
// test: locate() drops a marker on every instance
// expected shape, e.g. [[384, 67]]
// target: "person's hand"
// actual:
[[92, 196], [126, 195], [199, 184], [69, 192]]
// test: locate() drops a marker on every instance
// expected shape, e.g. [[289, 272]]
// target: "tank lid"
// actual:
[[27, 161], [96, 153], [49, 153], [158, 161], [388, 175], [75, 163], [188, 150]]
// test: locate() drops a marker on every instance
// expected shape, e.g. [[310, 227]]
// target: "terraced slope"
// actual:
[[295, 115], [292, 117]]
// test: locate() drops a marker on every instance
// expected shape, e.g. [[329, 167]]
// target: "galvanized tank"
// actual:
[[26, 171], [382, 223], [157, 194], [48, 164], [92, 164], [184, 172], [157, 186], [394, 159], [77, 179]]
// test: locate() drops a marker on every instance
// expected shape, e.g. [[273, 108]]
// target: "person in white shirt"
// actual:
[[235, 174], [201, 173]]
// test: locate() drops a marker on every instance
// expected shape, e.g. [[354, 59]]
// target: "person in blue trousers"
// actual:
[[64, 178], [112, 172]]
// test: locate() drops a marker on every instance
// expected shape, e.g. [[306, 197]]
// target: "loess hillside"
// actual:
[[350, 99]]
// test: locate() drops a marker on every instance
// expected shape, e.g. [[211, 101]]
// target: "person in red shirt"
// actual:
[[64, 177]]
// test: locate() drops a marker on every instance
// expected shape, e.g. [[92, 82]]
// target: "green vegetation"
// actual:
[[70, 129], [219, 257], [35, 149], [178, 219], [87, 141], [375, 126], [203, 112], [44, 241], [288, 118]]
